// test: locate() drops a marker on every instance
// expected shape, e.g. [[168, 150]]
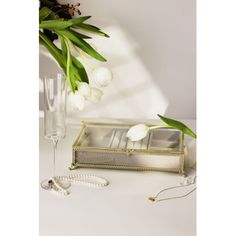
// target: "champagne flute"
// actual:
[[55, 91]]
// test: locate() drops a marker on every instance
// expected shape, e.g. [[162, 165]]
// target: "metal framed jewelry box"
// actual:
[[105, 145]]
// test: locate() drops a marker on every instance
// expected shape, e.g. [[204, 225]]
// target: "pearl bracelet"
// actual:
[[84, 179]]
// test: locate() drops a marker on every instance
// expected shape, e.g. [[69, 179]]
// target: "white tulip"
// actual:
[[95, 95], [102, 76], [137, 132], [84, 89], [76, 101]]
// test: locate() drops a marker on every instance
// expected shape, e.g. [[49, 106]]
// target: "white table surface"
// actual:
[[119, 209]]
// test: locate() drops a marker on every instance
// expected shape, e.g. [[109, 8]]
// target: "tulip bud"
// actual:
[[137, 132], [102, 76], [76, 101], [84, 89], [95, 95]]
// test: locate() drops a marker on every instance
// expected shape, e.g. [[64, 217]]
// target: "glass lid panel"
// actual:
[[165, 139], [114, 137]]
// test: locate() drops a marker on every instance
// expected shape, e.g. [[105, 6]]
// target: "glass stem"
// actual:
[[55, 141]]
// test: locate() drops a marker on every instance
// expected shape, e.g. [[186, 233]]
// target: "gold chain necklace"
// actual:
[[190, 181]]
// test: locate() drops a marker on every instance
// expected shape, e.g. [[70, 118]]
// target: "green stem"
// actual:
[[68, 62], [159, 126], [70, 70]]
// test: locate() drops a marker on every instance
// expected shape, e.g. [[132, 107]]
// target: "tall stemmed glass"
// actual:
[[55, 91]]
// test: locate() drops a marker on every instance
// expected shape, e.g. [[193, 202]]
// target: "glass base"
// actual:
[[46, 185]]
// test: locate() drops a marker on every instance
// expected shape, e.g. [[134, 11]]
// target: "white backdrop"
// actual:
[[151, 53]]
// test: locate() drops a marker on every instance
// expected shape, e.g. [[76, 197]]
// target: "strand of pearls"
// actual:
[[83, 179]]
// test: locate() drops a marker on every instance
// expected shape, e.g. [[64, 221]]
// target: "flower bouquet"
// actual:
[[62, 22]]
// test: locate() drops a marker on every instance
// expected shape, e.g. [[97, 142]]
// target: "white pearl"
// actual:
[[89, 180]]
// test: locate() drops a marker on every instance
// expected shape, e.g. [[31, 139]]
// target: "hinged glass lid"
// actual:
[[113, 137]]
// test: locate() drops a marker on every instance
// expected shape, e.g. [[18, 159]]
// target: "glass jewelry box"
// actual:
[[105, 145]]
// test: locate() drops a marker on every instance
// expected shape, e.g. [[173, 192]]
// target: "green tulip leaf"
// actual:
[[78, 20], [44, 13], [63, 57], [92, 29], [69, 70], [61, 24], [80, 43], [54, 24], [54, 50], [81, 70], [79, 35], [79, 73], [63, 48], [178, 125]]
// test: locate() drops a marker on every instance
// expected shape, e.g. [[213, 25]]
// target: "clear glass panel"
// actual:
[[114, 137], [104, 136], [165, 139]]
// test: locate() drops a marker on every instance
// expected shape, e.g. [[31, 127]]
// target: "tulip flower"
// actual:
[[95, 95], [140, 131], [137, 132], [102, 76], [76, 101], [84, 89]]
